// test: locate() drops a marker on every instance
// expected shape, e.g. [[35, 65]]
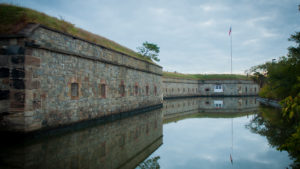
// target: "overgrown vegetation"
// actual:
[[14, 18], [206, 76], [281, 81], [280, 134]]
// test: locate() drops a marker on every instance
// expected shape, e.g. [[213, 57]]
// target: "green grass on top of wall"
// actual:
[[206, 76], [14, 18]]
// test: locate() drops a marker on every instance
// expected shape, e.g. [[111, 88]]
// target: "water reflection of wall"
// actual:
[[179, 107], [124, 143]]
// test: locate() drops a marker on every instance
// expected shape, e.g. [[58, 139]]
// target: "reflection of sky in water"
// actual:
[[206, 143]]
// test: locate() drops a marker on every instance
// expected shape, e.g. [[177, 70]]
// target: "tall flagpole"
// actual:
[[230, 50], [230, 34]]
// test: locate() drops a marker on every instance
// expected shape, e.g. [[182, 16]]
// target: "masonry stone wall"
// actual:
[[49, 79], [174, 87], [179, 87]]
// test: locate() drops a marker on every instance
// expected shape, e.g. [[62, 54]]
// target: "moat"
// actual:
[[205, 132]]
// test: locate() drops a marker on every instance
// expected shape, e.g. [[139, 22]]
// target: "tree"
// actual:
[[149, 50], [151, 163]]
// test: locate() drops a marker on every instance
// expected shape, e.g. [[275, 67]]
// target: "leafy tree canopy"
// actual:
[[283, 75], [149, 50]]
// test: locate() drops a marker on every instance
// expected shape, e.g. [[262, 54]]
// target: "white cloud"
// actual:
[[250, 42]]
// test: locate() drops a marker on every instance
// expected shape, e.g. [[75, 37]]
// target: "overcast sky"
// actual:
[[192, 34]]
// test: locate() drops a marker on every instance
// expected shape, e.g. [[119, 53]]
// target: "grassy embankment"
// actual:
[[14, 18], [206, 76]]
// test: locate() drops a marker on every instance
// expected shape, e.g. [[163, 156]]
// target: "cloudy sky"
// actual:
[[192, 34]]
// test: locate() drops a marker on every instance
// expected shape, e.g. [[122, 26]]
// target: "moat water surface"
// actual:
[[185, 133], [207, 143]]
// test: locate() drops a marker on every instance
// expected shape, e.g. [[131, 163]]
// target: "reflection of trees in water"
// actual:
[[151, 163], [269, 122]]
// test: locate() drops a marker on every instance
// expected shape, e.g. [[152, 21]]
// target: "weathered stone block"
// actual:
[[17, 73], [4, 60], [18, 96], [14, 50], [4, 94], [4, 72], [4, 105], [36, 104], [17, 59], [18, 83], [34, 61]]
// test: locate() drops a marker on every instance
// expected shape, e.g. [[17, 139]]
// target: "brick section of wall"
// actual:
[[52, 61], [185, 88]]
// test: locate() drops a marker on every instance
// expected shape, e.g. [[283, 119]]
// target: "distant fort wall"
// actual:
[[175, 87]]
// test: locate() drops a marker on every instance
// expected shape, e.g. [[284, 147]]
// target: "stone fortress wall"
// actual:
[[174, 87], [49, 79]]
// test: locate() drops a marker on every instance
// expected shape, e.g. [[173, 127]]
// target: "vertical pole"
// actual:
[[231, 52], [232, 136]]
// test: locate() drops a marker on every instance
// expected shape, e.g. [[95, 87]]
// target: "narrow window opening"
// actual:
[[147, 90], [136, 89], [122, 90], [155, 90], [103, 90], [74, 90]]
